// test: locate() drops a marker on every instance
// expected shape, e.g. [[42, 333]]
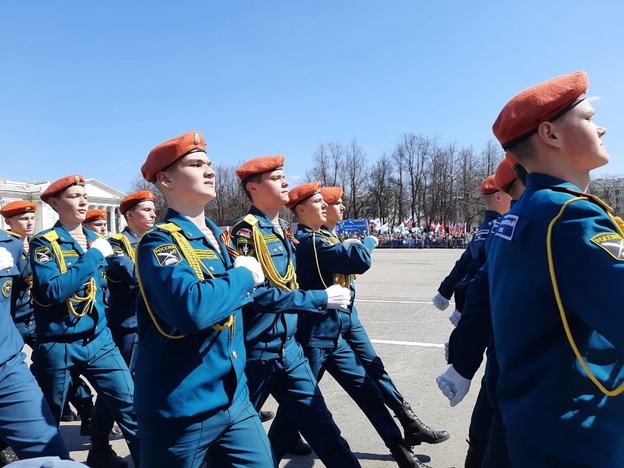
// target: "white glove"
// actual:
[[350, 241], [454, 317], [103, 246], [375, 239], [338, 297], [446, 351], [440, 302], [6, 259], [453, 386], [253, 266]]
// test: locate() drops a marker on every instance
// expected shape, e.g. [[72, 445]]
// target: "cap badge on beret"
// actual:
[[197, 140], [77, 178]]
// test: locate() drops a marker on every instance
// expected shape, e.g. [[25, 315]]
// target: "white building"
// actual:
[[101, 197]]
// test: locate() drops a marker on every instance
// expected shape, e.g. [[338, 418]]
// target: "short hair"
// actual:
[[523, 150], [255, 178]]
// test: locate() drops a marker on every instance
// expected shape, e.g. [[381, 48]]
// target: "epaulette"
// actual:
[[117, 236], [51, 236], [14, 234], [169, 227], [249, 219], [591, 198]]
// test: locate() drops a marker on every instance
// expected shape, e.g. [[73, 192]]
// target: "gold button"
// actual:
[[248, 294], [211, 268], [274, 250], [320, 308], [235, 354]]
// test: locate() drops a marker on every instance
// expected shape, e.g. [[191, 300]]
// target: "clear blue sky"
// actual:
[[91, 87]]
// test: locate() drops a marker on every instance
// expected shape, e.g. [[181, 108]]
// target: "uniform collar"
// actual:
[[263, 221], [303, 228], [536, 181], [65, 236], [191, 231], [132, 237], [491, 214]]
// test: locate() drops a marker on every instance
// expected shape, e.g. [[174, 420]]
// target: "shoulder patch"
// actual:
[[167, 255], [43, 254], [612, 243], [507, 227], [6, 288], [481, 235], [118, 252], [245, 246], [244, 232]]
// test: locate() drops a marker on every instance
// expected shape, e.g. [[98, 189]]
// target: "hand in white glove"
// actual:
[[453, 386], [350, 241], [103, 246], [253, 266], [338, 297], [440, 302], [454, 317], [375, 239], [6, 259], [446, 351]]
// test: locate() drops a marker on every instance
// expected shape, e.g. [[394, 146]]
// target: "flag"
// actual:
[[384, 228], [437, 228], [442, 227], [432, 226], [409, 221]]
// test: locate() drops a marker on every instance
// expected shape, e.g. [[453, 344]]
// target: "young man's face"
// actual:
[[192, 178], [99, 226], [71, 204], [271, 190], [582, 138], [22, 224], [313, 211], [142, 215], [335, 211]]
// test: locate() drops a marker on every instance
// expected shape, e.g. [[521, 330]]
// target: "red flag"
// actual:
[[442, 226], [432, 226]]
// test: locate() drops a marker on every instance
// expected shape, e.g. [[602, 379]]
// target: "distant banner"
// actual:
[[351, 226]]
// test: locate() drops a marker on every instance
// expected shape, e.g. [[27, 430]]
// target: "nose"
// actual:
[[284, 183], [601, 131]]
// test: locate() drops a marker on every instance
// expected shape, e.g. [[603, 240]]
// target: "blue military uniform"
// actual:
[[26, 422], [87, 346], [275, 362], [553, 411], [321, 336], [191, 393], [22, 307]]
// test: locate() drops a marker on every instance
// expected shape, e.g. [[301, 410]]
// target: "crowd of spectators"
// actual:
[[414, 240]]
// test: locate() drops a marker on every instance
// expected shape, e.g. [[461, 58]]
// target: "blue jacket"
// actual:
[[122, 283], [271, 319], [22, 306], [50, 289], [320, 255], [203, 372], [11, 342], [545, 396]]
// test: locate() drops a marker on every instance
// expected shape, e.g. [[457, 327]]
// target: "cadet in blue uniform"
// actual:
[[191, 393], [26, 423], [275, 361], [554, 266], [355, 335], [467, 344], [72, 337], [321, 262]]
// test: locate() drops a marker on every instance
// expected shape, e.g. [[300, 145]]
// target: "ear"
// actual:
[[547, 134], [163, 178], [251, 187]]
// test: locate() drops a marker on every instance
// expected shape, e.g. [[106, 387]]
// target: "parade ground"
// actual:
[[394, 303]]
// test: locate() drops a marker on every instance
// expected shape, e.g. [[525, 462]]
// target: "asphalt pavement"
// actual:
[[394, 303]]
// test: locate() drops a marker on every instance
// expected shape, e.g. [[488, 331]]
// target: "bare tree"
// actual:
[[355, 170]]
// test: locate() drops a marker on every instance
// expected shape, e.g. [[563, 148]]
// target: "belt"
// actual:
[[86, 337]]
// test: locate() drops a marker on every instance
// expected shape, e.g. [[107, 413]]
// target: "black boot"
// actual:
[[85, 411], [474, 457], [68, 415], [415, 431], [266, 415], [102, 455], [7, 455], [300, 447], [405, 458]]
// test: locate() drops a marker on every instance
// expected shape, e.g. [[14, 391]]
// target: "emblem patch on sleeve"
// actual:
[[6, 288], [245, 233], [167, 255], [507, 227], [610, 242], [245, 247], [118, 252], [43, 254]]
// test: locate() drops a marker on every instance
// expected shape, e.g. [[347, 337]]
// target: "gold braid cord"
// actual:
[[127, 246], [619, 225], [287, 282], [90, 286], [198, 267], [339, 278]]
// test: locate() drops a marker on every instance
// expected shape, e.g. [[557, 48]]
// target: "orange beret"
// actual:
[[60, 185], [134, 198], [331, 194], [512, 161], [95, 215], [170, 151], [546, 101], [260, 166], [505, 176], [17, 208], [488, 186], [301, 192]]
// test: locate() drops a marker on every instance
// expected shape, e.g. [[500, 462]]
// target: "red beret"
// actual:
[[95, 215], [301, 192], [488, 186], [170, 151], [546, 101], [331, 194], [17, 208], [60, 185], [134, 198], [260, 166], [504, 176], [512, 161]]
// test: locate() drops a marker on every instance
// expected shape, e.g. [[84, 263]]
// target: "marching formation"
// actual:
[[184, 329]]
